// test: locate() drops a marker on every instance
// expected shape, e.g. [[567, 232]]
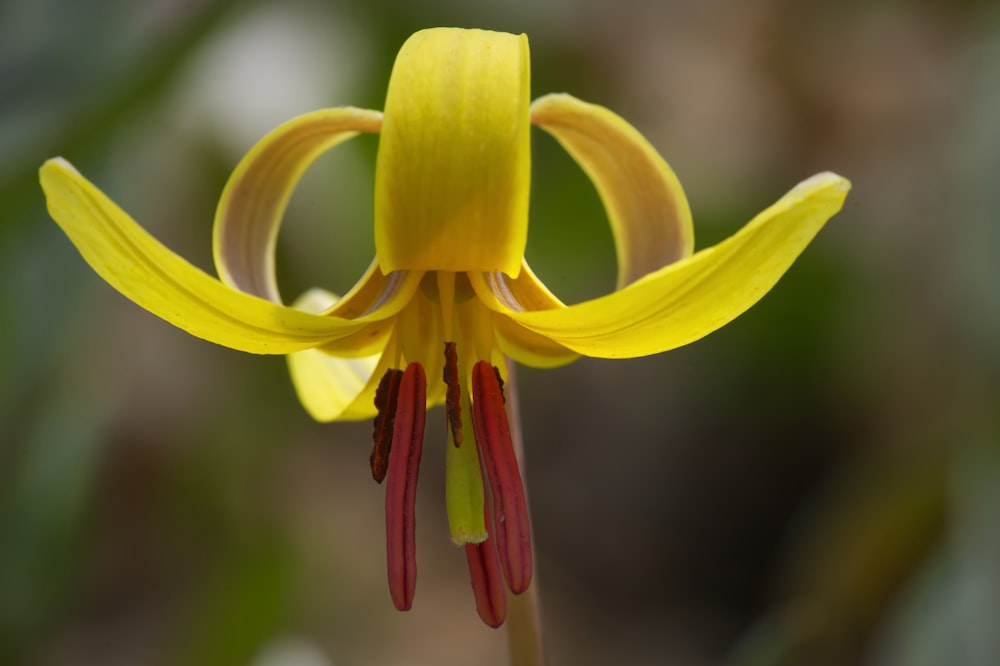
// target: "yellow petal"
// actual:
[[330, 387], [689, 299], [255, 197], [526, 292], [144, 270], [371, 293], [646, 206], [529, 348], [453, 169]]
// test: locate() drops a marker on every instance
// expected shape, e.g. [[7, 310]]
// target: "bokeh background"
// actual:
[[816, 484]]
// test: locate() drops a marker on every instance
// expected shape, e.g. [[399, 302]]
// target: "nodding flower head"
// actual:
[[448, 297]]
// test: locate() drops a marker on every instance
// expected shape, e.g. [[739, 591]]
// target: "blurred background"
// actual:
[[816, 484]]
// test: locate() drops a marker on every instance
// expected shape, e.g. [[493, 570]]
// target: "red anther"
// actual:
[[487, 582], [401, 487], [453, 396], [512, 528], [385, 402]]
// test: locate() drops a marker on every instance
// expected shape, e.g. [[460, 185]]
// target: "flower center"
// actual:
[[487, 510]]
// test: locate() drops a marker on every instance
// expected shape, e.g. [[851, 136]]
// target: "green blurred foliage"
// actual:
[[816, 484]]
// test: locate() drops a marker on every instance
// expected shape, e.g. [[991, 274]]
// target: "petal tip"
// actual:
[[60, 163], [826, 179], [824, 186]]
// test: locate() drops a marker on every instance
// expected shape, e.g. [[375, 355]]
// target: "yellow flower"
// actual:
[[448, 296]]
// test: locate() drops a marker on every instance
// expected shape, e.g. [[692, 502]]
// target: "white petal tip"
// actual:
[[61, 163], [827, 179]]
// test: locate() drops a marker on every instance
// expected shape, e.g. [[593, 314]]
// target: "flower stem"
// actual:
[[524, 617]]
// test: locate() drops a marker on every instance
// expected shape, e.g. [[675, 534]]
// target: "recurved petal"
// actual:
[[454, 159], [687, 300], [645, 204], [331, 387], [255, 197], [528, 347], [525, 292], [147, 272]]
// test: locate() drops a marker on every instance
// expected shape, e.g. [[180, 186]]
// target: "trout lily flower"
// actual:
[[448, 297]]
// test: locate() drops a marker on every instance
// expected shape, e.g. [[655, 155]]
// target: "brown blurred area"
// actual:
[[816, 484]]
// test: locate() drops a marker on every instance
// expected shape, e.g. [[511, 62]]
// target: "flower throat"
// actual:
[[487, 507]]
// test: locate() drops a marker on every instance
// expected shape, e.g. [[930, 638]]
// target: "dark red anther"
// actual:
[[512, 528], [401, 487], [496, 371], [487, 582], [453, 396], [385, 402]]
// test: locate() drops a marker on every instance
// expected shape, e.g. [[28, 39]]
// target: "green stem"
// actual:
[[524, 617]]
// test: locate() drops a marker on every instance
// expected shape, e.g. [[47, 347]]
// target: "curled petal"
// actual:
[[526, 292], [687, 300], [647, 209], [530, 348], [255, 197], [154, 277], [453, 169]]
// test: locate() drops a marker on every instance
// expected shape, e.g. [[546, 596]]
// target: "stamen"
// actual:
[[503, 396], [487, 582], [446, 297], [401, 487], [385, 402], [510, 510], [453, 396]]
